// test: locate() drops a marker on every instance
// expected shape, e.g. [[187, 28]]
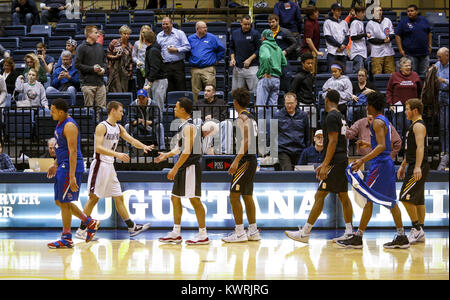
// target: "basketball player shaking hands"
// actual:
[[68, 171], [102, 180], [331, 172], [243, 170], [412, 194], [379, 186], [186, 174]]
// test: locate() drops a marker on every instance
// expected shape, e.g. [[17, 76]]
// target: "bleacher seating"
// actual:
[[119, 18], [41, 30], [66, 29], [95, 18], [381, 81], [10, 43], [172, 97], [29, 42], [57, 41], [15, 30], [62, 95], [144, 16]]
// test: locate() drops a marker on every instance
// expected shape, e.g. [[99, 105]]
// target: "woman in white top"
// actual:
[[138, 56], [342, 84], [3, 91]]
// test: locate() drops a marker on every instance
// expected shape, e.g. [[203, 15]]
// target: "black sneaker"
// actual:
[[354, 242], [400, 241], [138, 228]]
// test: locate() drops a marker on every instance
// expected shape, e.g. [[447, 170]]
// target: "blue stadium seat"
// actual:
[[119, 18], [381, 81], [19, 123], [435, 17], [220, 82], [31, 42], [63, 95], [41, 30], [15, 30], [55, 53], [261, 18], [443, 40], [261, 26], [392, 15], [77, 18], [19, 54], [217, 28], [144, 16], [320, 81], [188, 28], [45, 125], [95, 18], [124, 98], [10, 43], [172, 97], [234, 26], [223, 39], [112, 29], [66, 29], [57, 41]]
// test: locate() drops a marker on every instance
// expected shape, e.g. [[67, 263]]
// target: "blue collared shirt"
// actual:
[[6, 164], [206, 51], [176, 38], [443, 73]]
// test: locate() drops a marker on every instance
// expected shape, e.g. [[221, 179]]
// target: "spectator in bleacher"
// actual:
[[3, 92], [414, 39], [174, 46], [360, 131], [303, 83], [290, 15], [358, 35], [155, 74], [51, 151], [45, 60], [361, 88], [10, 74], [65, 78], [442, 73], [71, 45], [380, 33], [24, 12], [311, 35], [340, 83], [206, 51], [32, 62], [145, 120], [33, 92], [293, 132], [6, 164], [120, 62], [244, 49], [138, 56], [215, 108], [91, 65], [53, 10], [314, 153], [403, 85], [283, 37], [336, 35], [271, 63]]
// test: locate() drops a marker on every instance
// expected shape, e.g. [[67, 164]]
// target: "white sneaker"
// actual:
[[253, 236], [346, 236], [298, 236], [171, 237], [81, 234], [199, 239], [138, 228], [416, 236], [236, 238]]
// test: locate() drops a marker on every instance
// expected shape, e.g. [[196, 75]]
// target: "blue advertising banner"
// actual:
[[147, 196]]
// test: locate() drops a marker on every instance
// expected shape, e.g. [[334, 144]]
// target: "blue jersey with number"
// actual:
[[62, 149], [387, 139]]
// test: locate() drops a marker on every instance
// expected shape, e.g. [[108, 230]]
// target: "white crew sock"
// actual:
[[177, 228], [307, 228], [240, 228], [348, 228]]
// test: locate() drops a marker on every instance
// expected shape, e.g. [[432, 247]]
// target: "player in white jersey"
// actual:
[[102, 181]]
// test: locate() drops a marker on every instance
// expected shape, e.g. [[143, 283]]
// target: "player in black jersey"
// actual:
[[331, 172], [187, 175], [412, 193], [243, 170]]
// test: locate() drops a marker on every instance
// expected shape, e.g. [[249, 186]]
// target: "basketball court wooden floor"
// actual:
[[24, 255]]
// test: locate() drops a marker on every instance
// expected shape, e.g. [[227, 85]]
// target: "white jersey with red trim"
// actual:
[[110, 141]]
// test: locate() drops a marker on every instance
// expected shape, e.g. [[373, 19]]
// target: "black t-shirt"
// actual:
[[411, 146], [193, 158], [334, 122]]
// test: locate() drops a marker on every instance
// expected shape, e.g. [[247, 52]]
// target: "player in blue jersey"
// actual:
[[379, 186], [68, 171]]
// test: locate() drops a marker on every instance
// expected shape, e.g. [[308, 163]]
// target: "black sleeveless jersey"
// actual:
[[411, 146], [195, 156], [253, 133]]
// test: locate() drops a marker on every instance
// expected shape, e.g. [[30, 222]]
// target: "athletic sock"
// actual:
[[400, 231], [252, 227], [84, 218], [240, 228], [66, 231], [177, 228], [129, 223], [416, 225], [307, 228], [348, 228], [422, 226], [360, 232], [202, 231]]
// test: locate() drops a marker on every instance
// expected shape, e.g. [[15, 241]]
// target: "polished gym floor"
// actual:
[[24, 255]]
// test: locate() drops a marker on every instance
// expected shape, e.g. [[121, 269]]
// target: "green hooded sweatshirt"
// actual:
[[271, 58]]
